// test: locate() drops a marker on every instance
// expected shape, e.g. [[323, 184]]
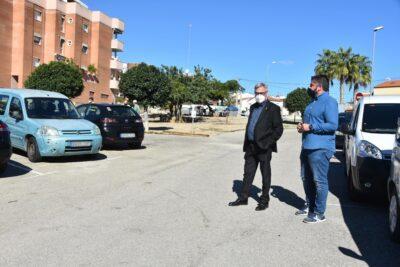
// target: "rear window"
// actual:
[[380, 118], [3, 103], [121, 111]]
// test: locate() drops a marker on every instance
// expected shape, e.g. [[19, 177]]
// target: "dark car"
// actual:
[[118, 124], [5, 146], [344, 119]]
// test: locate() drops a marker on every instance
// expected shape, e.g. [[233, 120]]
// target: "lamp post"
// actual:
[[373, 55]]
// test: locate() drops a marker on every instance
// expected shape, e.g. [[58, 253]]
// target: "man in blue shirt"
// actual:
[[320, 121]]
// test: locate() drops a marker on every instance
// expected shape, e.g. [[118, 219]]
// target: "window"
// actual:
[[37, 15], [16, 109], [62, 45], [82, 110], [62, 23], [50, 108], [36, 62], [85, 49], [93, 112], [91, 93], [3, 103], [85, 27], [380, 118], [104, 96], [37, 39]]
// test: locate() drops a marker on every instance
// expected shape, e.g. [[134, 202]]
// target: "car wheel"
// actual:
[[394, 216], [3, 167], [354, 194], [32, 150]]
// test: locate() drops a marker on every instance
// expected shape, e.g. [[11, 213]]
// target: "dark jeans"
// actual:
[[314, 172], [254, 157]]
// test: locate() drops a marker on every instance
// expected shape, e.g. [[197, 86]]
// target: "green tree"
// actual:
[[92, 69], [360, 74], [346, 67], [61, 77], [179, 89], [200, 85], [297, 100], [147, 84]]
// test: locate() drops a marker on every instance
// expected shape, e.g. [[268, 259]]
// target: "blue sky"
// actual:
[[240, 39]]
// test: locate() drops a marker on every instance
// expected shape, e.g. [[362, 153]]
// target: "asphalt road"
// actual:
[[166, 205]]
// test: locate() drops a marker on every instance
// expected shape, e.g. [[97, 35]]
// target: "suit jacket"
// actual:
[[268, 130]]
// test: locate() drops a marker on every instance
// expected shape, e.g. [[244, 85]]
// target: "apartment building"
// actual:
[[39, 31]]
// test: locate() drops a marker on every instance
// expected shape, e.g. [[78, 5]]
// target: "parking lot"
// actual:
[[166, 204]]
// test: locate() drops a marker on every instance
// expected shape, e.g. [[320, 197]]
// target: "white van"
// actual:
[[369, 142]]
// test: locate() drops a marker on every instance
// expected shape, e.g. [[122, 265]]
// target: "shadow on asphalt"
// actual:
[[366, 221], [254, 190], [15, 169], [66, 159], [287, 196]]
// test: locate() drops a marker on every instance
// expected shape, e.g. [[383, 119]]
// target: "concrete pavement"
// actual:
[[166, 205]]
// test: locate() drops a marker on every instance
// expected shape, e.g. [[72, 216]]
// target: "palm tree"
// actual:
[[325, 63], [346, 67], [360, 74]]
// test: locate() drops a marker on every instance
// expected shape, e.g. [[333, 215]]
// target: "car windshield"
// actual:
[[121, 111], [380, 118], [50, 108]]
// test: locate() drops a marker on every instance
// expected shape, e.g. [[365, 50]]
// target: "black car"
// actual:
[[344, 119], [5, 146], [118, 124]]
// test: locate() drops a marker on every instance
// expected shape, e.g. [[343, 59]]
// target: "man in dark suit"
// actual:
[[263, 130]]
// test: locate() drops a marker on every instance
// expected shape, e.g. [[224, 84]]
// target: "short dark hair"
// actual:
[[321, 80]]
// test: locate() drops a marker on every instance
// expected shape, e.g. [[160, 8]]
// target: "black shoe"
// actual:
[[262, 206], [238, 202]]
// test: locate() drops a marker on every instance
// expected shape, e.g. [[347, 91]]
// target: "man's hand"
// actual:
[[306, 127], [300, 127]]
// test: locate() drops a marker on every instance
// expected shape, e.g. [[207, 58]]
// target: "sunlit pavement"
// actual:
[[166, 204]]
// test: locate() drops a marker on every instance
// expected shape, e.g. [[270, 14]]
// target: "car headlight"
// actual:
[[48, 131], [96, 130], [368, 150]]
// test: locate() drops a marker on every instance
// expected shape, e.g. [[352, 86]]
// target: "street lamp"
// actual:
[[373, 55]]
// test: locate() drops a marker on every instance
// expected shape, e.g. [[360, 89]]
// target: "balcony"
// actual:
[[118, 26], [115, 64], [114, 84], [117, 45]]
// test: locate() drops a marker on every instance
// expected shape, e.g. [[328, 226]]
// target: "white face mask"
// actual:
[[260, 99]]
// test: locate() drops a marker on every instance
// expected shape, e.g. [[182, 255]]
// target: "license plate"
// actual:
[[80, 143], [127, 135]]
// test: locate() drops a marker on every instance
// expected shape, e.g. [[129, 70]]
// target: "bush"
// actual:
[[62, 77], [297, 100]]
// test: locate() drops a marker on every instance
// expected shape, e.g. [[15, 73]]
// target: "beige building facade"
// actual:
[[39, 31]]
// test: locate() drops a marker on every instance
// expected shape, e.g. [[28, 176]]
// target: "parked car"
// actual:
[[231, 111], [344, 119], [46, 124], [368, 144], [118, 124], [5, 144], [393, 187]]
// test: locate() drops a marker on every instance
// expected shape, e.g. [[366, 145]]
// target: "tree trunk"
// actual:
[[341, 92], [180, 112]]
